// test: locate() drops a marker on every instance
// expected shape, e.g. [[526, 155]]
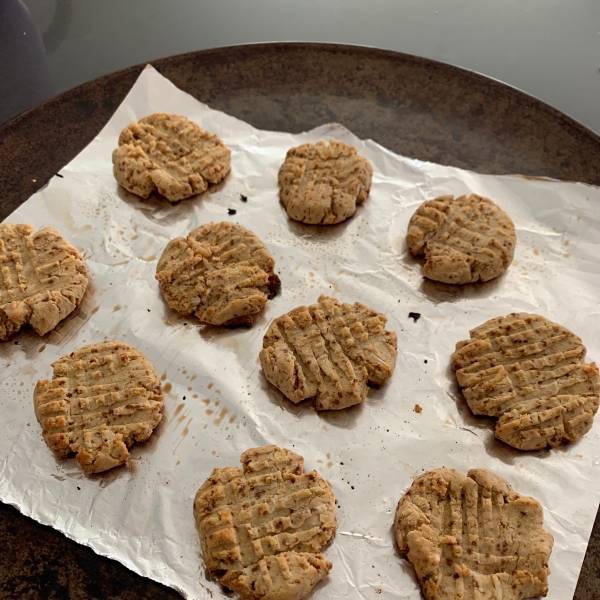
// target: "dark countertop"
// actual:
[[413, 106]]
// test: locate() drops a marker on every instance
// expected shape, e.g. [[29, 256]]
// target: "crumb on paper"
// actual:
[[243, 198], [231, 211], [414, 315], [418, 409]]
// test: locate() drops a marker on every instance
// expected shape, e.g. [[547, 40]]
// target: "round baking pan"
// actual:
[[414, 106]]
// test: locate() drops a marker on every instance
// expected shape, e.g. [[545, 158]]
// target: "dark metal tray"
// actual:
[[414, 106]]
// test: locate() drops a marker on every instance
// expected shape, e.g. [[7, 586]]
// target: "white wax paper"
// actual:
[[217, 402]]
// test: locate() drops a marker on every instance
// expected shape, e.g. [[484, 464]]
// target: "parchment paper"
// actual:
[[217, 402]]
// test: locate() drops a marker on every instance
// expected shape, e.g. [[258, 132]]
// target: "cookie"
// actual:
[[101, 399], [220, 272], [462, 239], [329, 351], [321, 184], [262, 529], [530, 374], [473, 537], [170, 154], [43, 279]]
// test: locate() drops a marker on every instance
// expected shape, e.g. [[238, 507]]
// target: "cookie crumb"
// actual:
[[425, 361], [59, 175], [378, 590], [243, 198], [418, 409], [231, 211], [414, 315]]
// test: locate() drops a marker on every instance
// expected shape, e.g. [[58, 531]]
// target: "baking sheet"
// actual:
[[217, 402]]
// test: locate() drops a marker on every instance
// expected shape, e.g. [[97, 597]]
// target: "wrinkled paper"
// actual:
[[218, 403]]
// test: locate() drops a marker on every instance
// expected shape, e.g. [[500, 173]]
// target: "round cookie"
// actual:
[[530, 374], [170, 154], [473, 537], [329, 351], [102, 399], [43, 278], [221, 272], [262, 529], [462, 239], [322, 184]]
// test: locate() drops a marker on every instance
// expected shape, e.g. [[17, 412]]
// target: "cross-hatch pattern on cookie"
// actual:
[[101, 399], [321, 184], [329, 351], [221, 272], [473, 537], [261, 529], [530, 374], [43, 278], [462, 239], [171, 154]]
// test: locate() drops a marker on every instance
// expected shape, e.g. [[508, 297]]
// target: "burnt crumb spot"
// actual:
[[425, 361], [414, 315], [78, 488], [62, 177], [231, 211], [184, 397], [240, 322], [273, 285], [16, 343], [243, 198], [148, 309]]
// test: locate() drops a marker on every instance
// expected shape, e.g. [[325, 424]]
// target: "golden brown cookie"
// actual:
[[43, 278], [529, 373], [170, 154], [321, 184], [473, 537], [462, 239], [221, 272], [101, 399], [262, 529], [329, 351]]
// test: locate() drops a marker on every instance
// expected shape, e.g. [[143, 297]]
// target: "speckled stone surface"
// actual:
[[414, 106]]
